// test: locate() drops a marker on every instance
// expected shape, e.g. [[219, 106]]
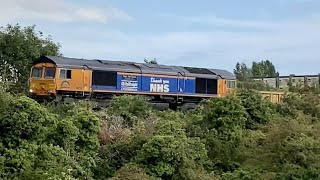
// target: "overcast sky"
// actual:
[[206, 33]]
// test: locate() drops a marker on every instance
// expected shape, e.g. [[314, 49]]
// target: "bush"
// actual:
[[170, 150], [132, 172], [131, 108], [259, 111], [237, 137], [308, 103]]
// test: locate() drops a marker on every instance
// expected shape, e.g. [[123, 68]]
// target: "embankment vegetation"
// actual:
[[238, 137]]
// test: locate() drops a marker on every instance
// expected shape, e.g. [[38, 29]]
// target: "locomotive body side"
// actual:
[[161, 88], [73, 80], [101, 79]]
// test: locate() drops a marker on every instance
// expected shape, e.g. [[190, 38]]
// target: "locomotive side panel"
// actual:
[[129, 82], [190, 85], [104, 80], [73, 80], [222, 87], [156, 84], [160, 84]]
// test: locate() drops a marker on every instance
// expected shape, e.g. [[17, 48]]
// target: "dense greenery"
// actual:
[[257, 69], [245, 74], [237, 137]]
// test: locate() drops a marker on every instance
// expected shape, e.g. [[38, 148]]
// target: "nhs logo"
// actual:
[[159, 85]]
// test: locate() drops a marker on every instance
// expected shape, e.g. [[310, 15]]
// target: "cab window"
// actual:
[[36, 72], [49, 72], [231, 84], [65, 74]]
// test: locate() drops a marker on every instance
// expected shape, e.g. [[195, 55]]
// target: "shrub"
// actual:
[[131, 108], [259, 111]]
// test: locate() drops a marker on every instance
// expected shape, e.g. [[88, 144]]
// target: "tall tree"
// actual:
[[19, 46], [263, 69], [242, 72]]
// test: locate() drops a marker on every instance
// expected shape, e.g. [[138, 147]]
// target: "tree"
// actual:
[[245, 75], [24, 152], [18, 48], [259, 110], [258, 69], [242, 72], [154, 61], [264, 69]]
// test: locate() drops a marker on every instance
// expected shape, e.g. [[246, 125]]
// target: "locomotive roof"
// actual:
[[132, 67]]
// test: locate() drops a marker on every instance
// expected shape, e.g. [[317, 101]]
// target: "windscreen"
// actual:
[[36, 72], [49, 72]]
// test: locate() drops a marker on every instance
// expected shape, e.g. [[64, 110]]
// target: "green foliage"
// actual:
[[259, 111], [236, 137], [35, 143], [77, 132], [132, 172], [239, 136], [24, 153], [240, 174], [292, 171], [242, 72], [257, 69], [286, 148], [253, 85], [226, 116], [19, 46], [264, 69], [308, 103], [23, 120], [169, 153], [221, 127], [131, 108], [154, 61], [245, 75], [32, 161], [115, 154]]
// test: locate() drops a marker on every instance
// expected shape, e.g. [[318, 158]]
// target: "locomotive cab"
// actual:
[[42, 80], [53, 77]]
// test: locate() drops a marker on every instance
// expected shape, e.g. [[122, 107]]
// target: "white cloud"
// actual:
[[57, 11], [303, 1], [216, 21], [291, 44]]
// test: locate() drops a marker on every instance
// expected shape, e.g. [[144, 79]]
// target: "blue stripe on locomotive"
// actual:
[[142, 83], [160, 84], [129, 82]]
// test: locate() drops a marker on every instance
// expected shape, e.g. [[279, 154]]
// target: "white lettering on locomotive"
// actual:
[[159, 88], [159, 85]]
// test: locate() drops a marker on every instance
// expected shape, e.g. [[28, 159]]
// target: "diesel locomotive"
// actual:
[[59, 78]]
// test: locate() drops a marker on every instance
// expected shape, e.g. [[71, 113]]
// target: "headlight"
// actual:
[[31, 90]]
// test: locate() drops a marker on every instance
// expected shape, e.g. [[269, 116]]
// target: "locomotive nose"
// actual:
[[42, 87]]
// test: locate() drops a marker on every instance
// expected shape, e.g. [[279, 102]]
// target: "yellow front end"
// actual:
[[42, 83]]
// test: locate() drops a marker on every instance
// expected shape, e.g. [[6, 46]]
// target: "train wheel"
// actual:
[[173, 106]]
